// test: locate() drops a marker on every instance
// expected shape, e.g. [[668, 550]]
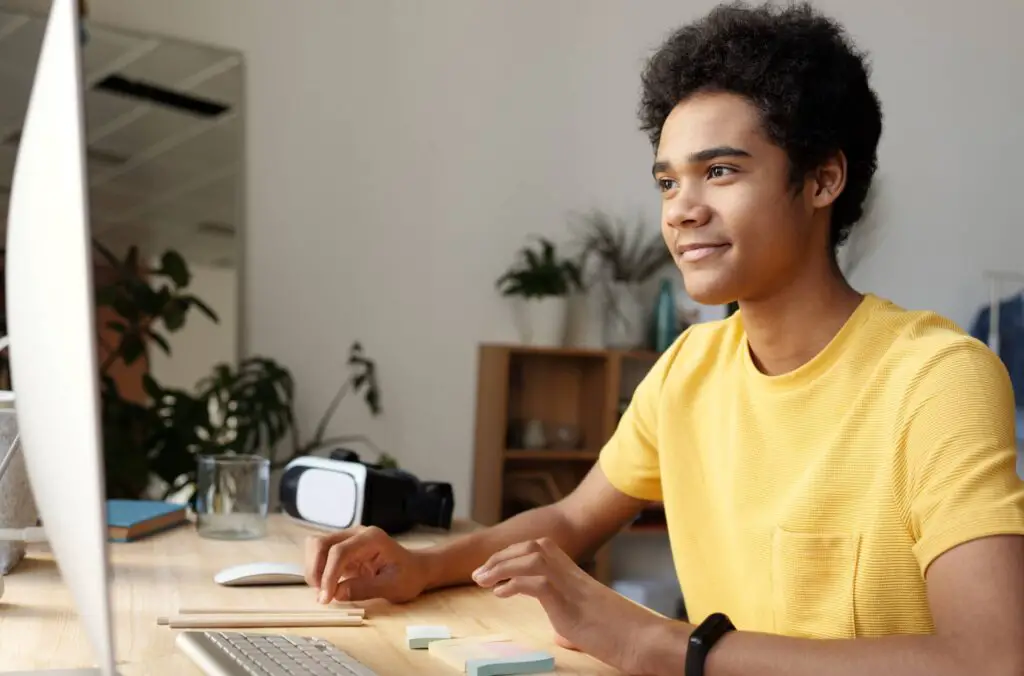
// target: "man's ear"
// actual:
[[828, 180]]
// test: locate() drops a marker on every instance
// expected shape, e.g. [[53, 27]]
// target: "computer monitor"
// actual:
[[51, 324]]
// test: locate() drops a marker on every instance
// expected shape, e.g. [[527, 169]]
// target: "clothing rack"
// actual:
[[995, 279]]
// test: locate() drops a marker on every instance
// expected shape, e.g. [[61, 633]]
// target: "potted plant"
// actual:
[[540, 283], [150, 443], [627, 260]]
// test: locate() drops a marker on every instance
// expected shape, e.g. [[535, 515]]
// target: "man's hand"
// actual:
[[585, 614], [363, 563]]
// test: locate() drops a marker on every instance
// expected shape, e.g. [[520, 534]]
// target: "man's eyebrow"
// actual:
[[701, 157], [660, 166], [715, 153]]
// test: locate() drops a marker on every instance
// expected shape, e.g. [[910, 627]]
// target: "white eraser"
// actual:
[[421, 635]]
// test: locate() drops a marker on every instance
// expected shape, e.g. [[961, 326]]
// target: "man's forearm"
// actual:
[[753, 654], [453, 563]]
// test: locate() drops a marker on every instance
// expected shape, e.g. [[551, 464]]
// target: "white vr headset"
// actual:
[[337, 493], [324, 492]]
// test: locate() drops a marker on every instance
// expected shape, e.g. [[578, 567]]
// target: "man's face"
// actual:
[[730, 216]]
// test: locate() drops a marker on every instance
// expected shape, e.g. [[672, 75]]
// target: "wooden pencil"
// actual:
[[330, 610], [254, 620]]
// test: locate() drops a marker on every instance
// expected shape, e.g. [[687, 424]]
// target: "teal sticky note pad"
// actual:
[[419, 637], [509, 665]]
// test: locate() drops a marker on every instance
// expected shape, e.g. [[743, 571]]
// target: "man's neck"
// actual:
[[789, 328]]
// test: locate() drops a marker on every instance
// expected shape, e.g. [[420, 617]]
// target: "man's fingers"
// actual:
[[510, 552], [536, 586], [361, 588], [529, 564], [345, 556], [515, 551], [316, 554]]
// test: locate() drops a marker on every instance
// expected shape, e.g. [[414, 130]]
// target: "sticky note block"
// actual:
[[492, 656], [513, 663], [420, 636]]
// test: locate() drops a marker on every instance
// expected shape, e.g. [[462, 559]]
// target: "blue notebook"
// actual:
[[129, 520]]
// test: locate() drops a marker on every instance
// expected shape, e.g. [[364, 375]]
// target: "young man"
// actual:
[[832, 466]]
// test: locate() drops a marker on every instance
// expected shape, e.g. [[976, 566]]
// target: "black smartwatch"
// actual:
[[703, 639]]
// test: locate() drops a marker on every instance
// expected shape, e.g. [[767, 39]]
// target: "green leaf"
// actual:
[[105, 296], [203, 307], [174, 314], [162, 297], [148, 301], [373, 400], [173, 265], [131, 261], [151, 387], [132, 348], [159, 340], [107, 254], [126, 308], [549, 251], [542, 273]]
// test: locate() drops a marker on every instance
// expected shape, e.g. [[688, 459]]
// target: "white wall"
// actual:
[[398, 153], [201, 344]]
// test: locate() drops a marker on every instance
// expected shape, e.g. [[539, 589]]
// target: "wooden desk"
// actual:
[[39, 628]]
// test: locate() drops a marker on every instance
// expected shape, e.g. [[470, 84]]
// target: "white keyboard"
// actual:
[[237, 654]]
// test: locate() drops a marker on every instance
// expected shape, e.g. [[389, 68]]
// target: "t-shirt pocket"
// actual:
[[813, 576]]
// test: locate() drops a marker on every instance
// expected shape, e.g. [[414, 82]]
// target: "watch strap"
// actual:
[[703, 639]]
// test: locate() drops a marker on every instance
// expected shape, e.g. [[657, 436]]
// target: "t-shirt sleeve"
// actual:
[[629, 459], [961, 452]]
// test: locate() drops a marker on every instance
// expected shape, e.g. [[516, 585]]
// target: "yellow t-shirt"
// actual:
[[812, 503]]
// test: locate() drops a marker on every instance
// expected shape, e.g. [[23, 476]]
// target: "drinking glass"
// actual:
[[232, 496], [17, 505]]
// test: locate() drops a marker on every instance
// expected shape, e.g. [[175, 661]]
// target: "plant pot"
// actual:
[[586, 319], [17, 505], [542, 321], [625, 325]]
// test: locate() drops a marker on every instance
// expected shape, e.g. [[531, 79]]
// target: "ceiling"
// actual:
[[164, 136]]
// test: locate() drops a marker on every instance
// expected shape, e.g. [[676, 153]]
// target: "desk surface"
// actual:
[[39, 628]]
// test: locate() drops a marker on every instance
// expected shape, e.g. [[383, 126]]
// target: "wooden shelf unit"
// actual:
[[579, 391]]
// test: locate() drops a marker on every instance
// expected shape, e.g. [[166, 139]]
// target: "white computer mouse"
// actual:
[[265, 573]]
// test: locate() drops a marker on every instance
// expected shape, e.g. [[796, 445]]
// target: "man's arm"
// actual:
[[579, 523], [976, 594], [626, 479]]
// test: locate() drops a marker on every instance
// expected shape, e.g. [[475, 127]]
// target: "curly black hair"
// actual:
[[801, 71]]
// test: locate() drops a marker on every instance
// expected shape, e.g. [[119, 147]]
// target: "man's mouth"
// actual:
[[696, 252]]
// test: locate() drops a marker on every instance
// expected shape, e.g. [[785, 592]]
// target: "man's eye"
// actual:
[[719, 171], [666, 184]]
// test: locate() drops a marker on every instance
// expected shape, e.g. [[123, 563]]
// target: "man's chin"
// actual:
[[708, 291]]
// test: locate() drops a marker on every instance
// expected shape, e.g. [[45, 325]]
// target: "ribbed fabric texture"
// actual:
[[812, 503]]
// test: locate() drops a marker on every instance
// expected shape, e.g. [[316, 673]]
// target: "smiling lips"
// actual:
[[697, 252]]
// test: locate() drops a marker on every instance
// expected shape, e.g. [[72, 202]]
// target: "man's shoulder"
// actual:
[[929, 350], [926, 337]]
